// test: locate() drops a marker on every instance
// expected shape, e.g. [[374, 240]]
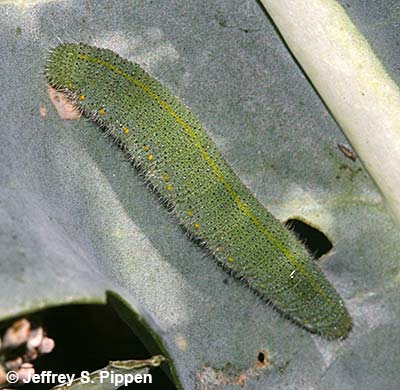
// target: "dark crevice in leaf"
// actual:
[[86, 338], [316, 242]]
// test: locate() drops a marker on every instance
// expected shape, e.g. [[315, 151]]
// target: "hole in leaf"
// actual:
[[86, 338], [316, 242], [262, 359]]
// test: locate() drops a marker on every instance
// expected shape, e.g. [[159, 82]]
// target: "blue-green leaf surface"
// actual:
[[78, 221]]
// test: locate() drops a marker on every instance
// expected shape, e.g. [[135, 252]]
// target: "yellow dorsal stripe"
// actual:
[[242, 206]]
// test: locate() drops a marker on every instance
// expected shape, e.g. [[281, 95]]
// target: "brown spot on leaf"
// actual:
[[213, 378], [43, 111], [347, 151], [64, 107]]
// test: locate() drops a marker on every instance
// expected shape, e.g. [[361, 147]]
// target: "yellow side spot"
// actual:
[[262, 285], [196, 225], [230, 259], [82, 97], [150, 157], [69, 84], [169, 187], [102, 111], [146, 148], [125, 130], [190, 213], [166, 178]]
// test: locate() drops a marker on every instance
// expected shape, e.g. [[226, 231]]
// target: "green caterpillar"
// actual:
[[184, 166]]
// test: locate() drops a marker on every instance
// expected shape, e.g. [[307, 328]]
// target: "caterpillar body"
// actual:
[[184, 166]]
